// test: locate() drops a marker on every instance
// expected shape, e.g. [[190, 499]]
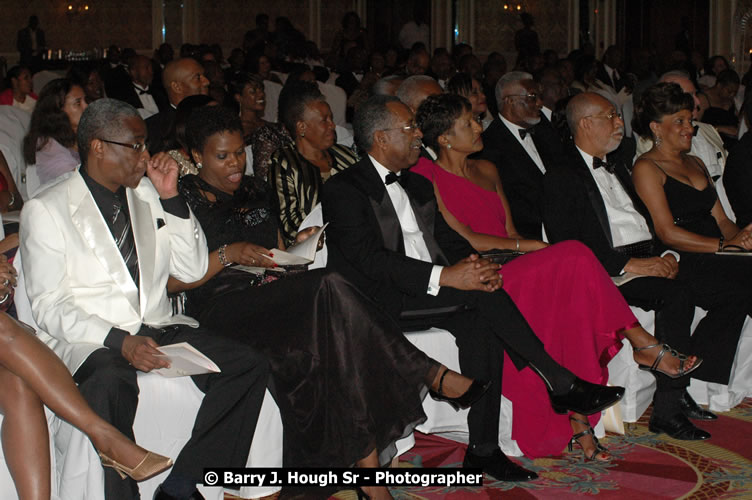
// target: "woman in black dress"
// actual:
[[347, 381]]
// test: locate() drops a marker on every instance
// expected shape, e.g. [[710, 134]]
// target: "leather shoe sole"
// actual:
[[677, 427], [498, 466]]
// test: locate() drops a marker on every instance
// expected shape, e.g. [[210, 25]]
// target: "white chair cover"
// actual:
[[164, 420], [42, 78], [14, 123], [271, 90], [337, 99]]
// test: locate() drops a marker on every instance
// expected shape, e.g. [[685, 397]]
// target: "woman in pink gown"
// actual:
[[562, 290]]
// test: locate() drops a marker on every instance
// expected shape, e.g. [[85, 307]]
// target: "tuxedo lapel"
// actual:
[[93, 229], [383, 209], [594, 195], [524, 162], [144, 236]]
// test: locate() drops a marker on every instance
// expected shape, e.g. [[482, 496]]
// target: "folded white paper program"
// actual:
[[185, 360]]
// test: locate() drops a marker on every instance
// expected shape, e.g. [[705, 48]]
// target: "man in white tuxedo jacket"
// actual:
[[98, 248]]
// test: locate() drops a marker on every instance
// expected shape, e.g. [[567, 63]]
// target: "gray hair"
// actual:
[[676, 73], [385, 86], [371, 116], [506, 79], [104, 118], [409, 89], [578, 108]]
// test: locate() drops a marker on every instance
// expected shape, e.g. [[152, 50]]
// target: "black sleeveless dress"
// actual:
[[345, 378]]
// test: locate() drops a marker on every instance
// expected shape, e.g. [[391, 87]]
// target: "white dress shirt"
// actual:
[[147, 100], [627, 225], [415, 245], [527, 143], [548, 113], [612, 73]]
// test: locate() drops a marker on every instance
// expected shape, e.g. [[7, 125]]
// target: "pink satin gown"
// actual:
[[567, 298]]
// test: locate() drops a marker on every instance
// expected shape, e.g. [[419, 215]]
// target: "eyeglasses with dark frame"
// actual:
[[138, 147], [530, 97]]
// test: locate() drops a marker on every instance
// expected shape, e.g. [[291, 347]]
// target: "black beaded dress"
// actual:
[[345, 378]]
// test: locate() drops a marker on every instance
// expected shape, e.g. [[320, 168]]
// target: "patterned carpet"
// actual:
[[646, 466]]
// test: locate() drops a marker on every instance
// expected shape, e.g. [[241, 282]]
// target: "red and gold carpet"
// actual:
[[646, 466]]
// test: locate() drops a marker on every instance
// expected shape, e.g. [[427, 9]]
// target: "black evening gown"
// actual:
[[722, 276], [345, 378]]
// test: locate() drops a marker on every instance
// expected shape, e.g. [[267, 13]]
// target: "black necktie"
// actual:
[[527, 131], [121, 228], [141, 91], [392, 177], [696, 128], [608, 165]]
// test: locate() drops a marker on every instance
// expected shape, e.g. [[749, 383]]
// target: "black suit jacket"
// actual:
[[574, 208], [23, 44], [521, 178], [603, 76], [128, 94], [364, 237], [737, 180]]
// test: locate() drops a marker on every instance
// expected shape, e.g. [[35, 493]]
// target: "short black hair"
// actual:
[[293, 101], [460, 84], [437, 115], [660, 100], [206, 121]]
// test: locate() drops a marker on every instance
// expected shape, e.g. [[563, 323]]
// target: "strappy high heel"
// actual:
[[150, 466], [665, 348], [599, 448], [471, 395]]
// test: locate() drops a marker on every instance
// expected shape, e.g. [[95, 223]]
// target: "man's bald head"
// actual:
[[596, 125], [414, 90], [184, 77]]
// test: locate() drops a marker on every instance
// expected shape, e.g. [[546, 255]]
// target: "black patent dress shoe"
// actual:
[[677, 426], [161, 495], [477, 389], [586, 398], [691, 409], [498, 466]]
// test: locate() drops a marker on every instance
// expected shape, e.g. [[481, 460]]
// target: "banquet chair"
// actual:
[[164, 420]]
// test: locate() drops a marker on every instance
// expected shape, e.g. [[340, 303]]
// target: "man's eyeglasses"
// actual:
[[609, 116], [531, 97], [412, 127], [138, 147]]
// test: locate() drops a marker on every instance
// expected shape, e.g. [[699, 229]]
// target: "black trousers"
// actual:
[[492, 325], [226, 420]]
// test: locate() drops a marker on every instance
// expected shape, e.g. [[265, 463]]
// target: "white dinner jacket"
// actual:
[[77, 281]]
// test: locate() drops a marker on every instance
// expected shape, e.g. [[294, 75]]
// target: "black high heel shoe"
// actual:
[[471, 395]]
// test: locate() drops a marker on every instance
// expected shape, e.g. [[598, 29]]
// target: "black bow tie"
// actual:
[[527, 131], [140, 91], [391, 177], [608, 165]]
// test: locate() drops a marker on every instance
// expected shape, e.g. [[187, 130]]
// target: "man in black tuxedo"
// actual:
[[30, 42], [182, 78], [386, 235], [521, 151], [140, 94], [592, 199], [607, 70]]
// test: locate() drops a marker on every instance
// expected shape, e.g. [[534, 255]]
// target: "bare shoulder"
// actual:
[[485, 169]]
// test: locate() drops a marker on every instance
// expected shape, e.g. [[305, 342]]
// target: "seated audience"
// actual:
[[262, 136], [386, 238], [297, 171], [33, 376], [563, 281], [312, 316], [259, 64], [98, 249], [182, 78], [737, 178], [720, 109], [471, 89], [87, 76], [141, 94], [50, 143], [20, 90]]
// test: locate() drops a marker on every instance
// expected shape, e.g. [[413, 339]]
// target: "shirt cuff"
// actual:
[[114, 339], [176, 206], [671, 252], [433, 281]]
